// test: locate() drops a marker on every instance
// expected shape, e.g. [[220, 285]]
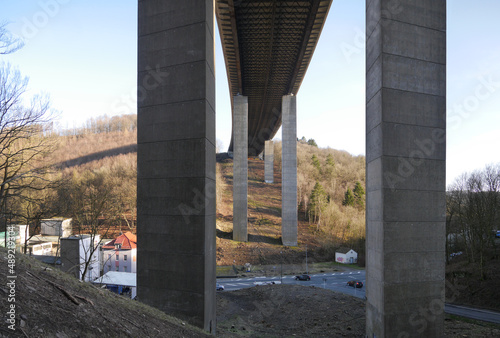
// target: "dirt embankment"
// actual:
[[51, 303], [300, 311]]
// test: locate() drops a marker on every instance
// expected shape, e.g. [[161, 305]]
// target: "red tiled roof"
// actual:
[[126, 241]]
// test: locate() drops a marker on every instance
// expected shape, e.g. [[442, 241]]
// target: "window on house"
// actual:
[[117, 256], [124, 269], [109, 267], [117, 268], [124, 257]]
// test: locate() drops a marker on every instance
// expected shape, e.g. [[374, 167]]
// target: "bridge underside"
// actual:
[[406, 146], [267, 48]]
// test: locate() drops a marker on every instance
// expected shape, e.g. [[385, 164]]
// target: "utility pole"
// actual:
[[307, 270], [281, 273]]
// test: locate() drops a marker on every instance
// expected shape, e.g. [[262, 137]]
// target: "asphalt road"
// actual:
[[338, 282], [479, 314]]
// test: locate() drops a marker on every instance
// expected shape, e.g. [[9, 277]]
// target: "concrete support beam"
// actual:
[[289, 171], [405, 167], [176, 159], [240, 168], [269, 162]]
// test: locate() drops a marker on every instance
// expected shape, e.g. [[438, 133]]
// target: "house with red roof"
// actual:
[[120, 254]]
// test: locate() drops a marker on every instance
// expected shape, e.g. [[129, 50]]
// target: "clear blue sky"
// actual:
[[84, 55]]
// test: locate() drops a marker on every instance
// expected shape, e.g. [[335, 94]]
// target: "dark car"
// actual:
[[497, 235], [219, 287], [303, 277], [355, 283]]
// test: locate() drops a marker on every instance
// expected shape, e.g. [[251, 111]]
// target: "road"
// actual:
[[479, 314], [337, 281]]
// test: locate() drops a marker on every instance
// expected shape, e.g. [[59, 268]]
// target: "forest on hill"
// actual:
[[89, 175]]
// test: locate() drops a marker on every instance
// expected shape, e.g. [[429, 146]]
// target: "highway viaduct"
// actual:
[[405, 155]]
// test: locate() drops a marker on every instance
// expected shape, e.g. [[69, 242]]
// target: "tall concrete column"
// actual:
[[176, 159], [289, 171], [269, 161], [240, 168], [405, 167]]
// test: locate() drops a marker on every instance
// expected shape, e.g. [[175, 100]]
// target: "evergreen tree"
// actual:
[[348, 198], [359, 194], [313, 143], [330, 166], [315, 162], [317, 203], [330, 161]]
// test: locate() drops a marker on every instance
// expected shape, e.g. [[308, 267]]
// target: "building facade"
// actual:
[[346, 256], [76, 251], [120, 254]]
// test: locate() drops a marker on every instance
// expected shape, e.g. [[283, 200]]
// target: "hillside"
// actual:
[[51, 303], [340, 225], [106, 151]]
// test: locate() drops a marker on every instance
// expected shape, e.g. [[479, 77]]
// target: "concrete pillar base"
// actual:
[[240, 168], [405, 168], [176, 159], [289, 171], [269, 162]]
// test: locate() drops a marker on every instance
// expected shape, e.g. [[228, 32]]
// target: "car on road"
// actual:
[[219, 287], [355, 283], [497, 235], [303, 277]]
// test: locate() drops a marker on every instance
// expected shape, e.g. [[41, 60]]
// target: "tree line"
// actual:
[[473, 217], [102, 125], [326, 179]]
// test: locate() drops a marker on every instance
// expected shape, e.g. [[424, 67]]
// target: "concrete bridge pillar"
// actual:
[[405, 167], [289, 171], [176, 159], [269, 162], [240, 168]]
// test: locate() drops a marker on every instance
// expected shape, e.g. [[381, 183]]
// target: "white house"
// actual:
[[120, 254], [346, 256], [76, 250]]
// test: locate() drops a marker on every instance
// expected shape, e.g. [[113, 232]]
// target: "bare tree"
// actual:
[[91, 201], [24, 142], [8, 43], [474, 202]]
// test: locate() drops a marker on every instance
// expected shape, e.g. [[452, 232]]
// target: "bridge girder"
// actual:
[[267, 49]]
